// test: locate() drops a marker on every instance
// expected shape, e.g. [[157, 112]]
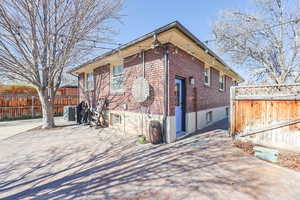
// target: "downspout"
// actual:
[[166, 93], [143, 66], [143, 60], [196, 107]]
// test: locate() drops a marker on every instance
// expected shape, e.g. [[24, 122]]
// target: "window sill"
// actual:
[[221, 90], [206, 85]]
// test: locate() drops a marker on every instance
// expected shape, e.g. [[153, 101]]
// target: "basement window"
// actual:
[[209, 117], [115, 119]]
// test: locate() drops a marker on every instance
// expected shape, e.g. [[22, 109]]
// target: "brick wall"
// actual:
[[181, 64], [132, 69], [202, 97]]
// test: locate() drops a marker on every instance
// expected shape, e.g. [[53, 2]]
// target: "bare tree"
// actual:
[[39, 39], [265, 42]]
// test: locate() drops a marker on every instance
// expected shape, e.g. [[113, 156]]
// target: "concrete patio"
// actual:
[[11, 128], [77, 162]]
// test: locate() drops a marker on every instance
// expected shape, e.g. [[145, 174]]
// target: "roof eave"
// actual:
[[133, 42], [167, 27], [204, 47]]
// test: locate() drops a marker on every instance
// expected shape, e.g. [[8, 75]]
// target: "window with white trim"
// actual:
[[115, 119], [117, 78], [222, 82], [207, 76], [209, 117], [89, 81]]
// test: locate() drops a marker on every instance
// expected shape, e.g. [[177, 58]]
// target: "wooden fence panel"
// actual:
[[266, 118], [254, 114], [17, 106]]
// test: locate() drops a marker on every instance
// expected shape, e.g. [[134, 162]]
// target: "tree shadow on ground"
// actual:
[[197, 165], [57, 127], [218, 127]]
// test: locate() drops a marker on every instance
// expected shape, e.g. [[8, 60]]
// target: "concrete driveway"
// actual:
[[77, 162], [11, 128]]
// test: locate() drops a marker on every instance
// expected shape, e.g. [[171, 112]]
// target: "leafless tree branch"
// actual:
[[266, 42], [39, 39]]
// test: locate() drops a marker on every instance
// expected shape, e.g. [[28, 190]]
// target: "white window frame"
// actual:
[[116, 77], [117, 117], [209, 117], [89, 83], [222, 81], [208, 76]]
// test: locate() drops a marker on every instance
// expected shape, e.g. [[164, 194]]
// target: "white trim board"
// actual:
[[133, 123]]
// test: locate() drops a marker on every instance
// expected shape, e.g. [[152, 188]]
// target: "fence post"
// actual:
[[232, 111], [32, 106]]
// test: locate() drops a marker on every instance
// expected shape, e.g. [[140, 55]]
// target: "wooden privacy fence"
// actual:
[[18, 106], [267, 115]]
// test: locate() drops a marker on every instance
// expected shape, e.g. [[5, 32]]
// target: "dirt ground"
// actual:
[[77, 162], [286, 158]]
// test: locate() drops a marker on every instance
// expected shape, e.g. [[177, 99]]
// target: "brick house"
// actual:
[[188, 83]]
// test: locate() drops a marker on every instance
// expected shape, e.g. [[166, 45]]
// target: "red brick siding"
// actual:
[[101, 83], [213, 96], [154, 75], [180, 64], [132, 70], [185, 65]]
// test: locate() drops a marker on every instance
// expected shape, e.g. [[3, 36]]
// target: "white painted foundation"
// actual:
[[138, 123], [171, 129], [194, 123], [133, 123], [219, 113], [279, 138]]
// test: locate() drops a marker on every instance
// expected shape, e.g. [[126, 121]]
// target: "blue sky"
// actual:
[[143, 16]]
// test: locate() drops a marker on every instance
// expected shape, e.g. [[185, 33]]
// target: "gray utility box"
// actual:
[[70, 113]]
